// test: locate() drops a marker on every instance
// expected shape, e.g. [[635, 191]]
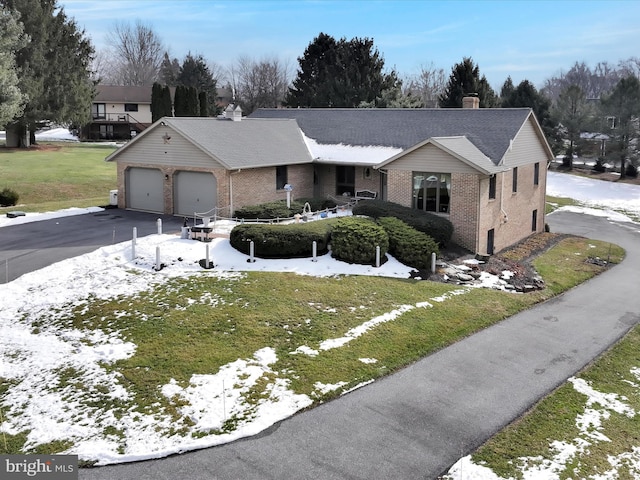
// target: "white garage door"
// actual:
[[144, 189], [194, 192]]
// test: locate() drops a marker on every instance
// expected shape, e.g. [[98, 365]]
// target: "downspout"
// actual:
[[231, 190], [505, 218]]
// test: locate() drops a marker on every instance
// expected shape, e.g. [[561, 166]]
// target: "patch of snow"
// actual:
[[349, 154]]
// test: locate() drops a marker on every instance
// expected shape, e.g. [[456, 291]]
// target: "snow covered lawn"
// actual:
[[60, 381]]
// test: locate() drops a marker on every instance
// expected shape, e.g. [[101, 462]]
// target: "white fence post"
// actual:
[[158, 258], [433, 262], [378, 256], [159, 224], [133, 243], [314, 248], [251, 252]]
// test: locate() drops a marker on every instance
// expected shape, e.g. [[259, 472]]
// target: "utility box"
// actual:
[[113, 197]]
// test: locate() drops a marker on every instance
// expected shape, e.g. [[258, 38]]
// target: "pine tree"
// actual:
[[194, 72], [193, 105], [169, 71], [157, 111], [622, 106], [344, 73], [167, 105], [526, 95], [180, 102], [465, 80], [56, 81], [11, 38], [204, 104]]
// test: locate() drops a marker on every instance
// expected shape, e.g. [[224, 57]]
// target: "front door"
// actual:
[[346, 180]]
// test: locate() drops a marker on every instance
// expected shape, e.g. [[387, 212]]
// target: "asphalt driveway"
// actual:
[[416, 423], [31, 246]]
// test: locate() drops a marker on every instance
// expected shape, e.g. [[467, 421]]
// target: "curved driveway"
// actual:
[[416, 423]]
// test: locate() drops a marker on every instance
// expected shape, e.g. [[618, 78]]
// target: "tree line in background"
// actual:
[[57, 84]]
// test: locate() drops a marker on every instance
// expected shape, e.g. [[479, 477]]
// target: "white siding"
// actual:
[[156, 149], [527, 148], [430, 158]]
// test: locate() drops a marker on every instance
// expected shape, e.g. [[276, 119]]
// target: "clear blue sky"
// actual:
[[530, 40]]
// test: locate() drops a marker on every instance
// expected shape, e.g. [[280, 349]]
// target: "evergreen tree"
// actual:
[[465, 80], [193, 105], [180, 106], [169, 70], [622, 107], [11, 39], [167, 106], [56, 81], [340, 74], [506, 90], [204, 104], [157, 111], [195, 73], [526, 95], [572, 111]]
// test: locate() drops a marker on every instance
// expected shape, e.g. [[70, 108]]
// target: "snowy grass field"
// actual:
[[105, 357], [112, 360]]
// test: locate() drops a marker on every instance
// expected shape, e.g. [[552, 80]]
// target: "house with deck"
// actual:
[[118, 112], [483, 169]]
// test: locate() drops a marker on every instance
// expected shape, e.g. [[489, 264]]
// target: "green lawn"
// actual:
[[58, 176], [308, 310], [238, 315]]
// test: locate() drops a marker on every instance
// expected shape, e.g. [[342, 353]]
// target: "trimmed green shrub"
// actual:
[[268, 210], [8, 197], [439, 228], [282, 241], [278, 209], [407, 244], [354, 240]]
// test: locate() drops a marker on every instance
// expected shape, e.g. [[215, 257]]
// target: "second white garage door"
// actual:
[[194, 192]]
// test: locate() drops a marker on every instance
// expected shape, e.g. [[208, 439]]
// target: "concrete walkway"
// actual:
[[416, 423]]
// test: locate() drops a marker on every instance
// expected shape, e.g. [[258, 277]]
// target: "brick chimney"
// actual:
[[470, 102]]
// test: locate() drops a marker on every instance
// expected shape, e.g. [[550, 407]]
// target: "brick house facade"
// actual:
[[483, 169]]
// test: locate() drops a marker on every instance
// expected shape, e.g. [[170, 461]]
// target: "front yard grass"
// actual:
[[198, 324]]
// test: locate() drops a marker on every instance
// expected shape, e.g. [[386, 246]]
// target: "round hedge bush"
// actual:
[[354, 240], [408, 245], [282, 241], [8, 197], [437, 227]]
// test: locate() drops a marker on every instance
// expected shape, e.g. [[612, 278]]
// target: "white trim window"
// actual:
[[432, 191]]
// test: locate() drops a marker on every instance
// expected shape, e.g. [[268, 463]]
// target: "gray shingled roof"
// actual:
[[490, 130], [249, 143], [122, 94]]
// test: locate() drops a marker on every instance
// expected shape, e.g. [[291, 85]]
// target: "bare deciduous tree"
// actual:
[[137, 53], [427, 85], [259, 84]]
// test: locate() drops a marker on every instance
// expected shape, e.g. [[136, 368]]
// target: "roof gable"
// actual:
[[250, 143]]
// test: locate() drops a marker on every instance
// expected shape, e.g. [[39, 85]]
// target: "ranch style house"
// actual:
[[483, 169]]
